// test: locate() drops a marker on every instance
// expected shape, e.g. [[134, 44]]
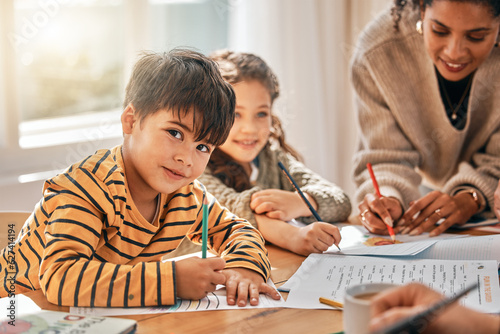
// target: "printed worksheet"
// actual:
[[213, 301], [356, 240], [327, 275]]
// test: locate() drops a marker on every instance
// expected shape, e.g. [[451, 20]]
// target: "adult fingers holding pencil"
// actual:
[[406, 301], [378, 213]]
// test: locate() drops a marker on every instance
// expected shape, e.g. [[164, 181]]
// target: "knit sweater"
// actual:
[[86, 243], [333, 204], [404, 130]]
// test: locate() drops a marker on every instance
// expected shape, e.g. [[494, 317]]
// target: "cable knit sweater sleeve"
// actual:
[[236, 202], [381, 139], [333, 203]]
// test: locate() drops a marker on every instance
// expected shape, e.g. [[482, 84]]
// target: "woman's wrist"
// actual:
[[476, 196]]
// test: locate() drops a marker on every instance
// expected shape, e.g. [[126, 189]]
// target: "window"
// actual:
[[66, 64]]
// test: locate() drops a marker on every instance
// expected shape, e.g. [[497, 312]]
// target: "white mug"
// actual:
[[357, 301]]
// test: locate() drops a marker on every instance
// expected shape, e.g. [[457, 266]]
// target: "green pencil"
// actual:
[[204, 229]]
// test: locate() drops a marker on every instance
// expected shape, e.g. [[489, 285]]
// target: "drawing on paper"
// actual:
[[379, 241]]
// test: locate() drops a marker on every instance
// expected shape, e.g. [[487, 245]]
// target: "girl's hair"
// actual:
[[236, 67], [182, 81], [397, 8]]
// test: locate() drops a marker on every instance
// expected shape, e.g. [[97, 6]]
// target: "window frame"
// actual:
[[90, 134]]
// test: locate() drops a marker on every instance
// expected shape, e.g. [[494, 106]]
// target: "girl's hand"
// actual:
[[436, 206], [243, 284], [314, 238], [281, 204], [376, 213]]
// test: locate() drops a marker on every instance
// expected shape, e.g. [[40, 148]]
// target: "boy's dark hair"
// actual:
[[182, 80]]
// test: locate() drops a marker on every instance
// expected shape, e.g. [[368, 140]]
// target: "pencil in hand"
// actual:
[[204, 228], [301, 194], [377, 190], [418, 322]]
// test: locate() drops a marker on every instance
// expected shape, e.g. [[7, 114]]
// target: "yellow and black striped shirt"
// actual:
[[86, 244]]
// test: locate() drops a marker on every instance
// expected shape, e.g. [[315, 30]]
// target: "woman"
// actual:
[[426, 77]]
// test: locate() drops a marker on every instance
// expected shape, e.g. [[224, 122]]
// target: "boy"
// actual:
[[97, 236]]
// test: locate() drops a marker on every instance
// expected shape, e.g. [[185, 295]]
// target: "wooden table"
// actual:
[[269, 320], [263, 320]]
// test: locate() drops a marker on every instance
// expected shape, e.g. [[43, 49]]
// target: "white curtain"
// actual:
[[308, 43]]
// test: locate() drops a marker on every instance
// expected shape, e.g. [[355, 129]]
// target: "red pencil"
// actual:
[[377, 190]]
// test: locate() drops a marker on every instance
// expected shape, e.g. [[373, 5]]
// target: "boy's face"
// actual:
[[160, 152]]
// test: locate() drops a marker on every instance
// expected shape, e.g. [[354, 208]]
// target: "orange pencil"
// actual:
[[377, 190]]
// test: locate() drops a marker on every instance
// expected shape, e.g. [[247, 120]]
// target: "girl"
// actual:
[[244, 175]]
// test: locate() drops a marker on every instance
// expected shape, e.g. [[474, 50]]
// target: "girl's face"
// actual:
[[252, 124], [459, 36]]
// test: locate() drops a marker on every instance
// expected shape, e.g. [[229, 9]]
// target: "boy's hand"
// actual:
[[281, 204], [314, 238], [196, 277], [242, 283]]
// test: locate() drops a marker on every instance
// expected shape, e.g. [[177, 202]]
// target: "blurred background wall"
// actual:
[[64, 66]]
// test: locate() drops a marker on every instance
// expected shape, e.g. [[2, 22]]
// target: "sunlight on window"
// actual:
[[70, 56]]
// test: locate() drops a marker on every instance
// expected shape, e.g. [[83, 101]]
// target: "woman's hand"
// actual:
[[281, 204], [376, 213], [497, 201], [423, 214]]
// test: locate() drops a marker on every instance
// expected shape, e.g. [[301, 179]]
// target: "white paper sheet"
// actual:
[[355, 239], [214, 301], [326, 275], [485, 247]]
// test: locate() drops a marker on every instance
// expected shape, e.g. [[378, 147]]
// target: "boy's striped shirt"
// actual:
[[86, 244]]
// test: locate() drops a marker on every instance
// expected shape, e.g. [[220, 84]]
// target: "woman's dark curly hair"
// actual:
[[236, 67], [397, 8]]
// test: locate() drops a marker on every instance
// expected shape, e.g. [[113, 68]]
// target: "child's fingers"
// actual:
[[253, 294], [231, 288], [269, 290], [258, 198], [243, 291], [332, 231], [263, 207], [277, 214], [216, 263]]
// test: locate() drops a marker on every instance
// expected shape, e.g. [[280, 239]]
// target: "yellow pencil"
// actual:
[[331, 302]]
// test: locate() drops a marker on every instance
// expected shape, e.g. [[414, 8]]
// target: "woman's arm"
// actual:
[[381, 143]]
